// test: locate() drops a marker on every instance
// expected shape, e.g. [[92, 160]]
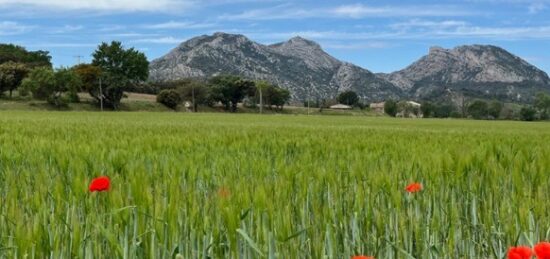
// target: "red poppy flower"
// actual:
[[100, 184], [520, 252], [414, 187], [224, 192], [362, 257], [542, 250]]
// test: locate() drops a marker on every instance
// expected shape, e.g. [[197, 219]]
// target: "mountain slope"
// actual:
[[481, 71], [299, 65]]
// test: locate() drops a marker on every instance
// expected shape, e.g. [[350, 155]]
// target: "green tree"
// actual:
[[170, 97], [69, 82], [18, 54], [542, 103], [528, 114], [390, 107], [495, 108], [120, 69], [427, 109], [276, 96], [478, 109], [195, 90], [348, 98], [231, 90], [444, 110], [89, 77], [57, 87], [11, 76], [40, 82]]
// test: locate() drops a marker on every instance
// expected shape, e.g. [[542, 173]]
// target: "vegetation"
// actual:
[[58, 87], [11, 76], [18, 54], [348, 98], [120, 69], [390, 108], [248, 186], [170, 98]]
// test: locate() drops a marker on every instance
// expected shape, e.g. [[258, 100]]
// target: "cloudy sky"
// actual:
[[381, 36]]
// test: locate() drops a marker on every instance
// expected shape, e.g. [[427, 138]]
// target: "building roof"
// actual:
[[341, 106], [377, 105]]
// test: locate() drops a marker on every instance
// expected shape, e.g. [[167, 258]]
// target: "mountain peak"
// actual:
[[299, 41], [482, 70]]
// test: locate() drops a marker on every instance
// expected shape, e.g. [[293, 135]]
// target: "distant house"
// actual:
[[414, 104], [377, 107], [341, 107]]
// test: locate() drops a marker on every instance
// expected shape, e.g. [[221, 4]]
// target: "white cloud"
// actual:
[[13, 28], [179, 25], [418, 23], [355, 11], [161, 40], [101, 5], [536, 7], [363, 11]]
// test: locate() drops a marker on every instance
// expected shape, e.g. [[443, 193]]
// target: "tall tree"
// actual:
[[348, 98], [18, 54], [542, 103], [231, 90], [478, 109], [120, 69], [390, 107], [11, 76]]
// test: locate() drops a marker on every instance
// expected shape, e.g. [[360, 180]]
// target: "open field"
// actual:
[[274, 186]]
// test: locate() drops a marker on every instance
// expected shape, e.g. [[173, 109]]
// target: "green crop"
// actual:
[[249, 186]]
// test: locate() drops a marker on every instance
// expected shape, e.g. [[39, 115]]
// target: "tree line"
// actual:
[[539, 109], [113, 70], [227, 90]]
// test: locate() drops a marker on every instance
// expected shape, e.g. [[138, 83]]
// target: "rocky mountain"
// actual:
[[299, 65], [480, 71]]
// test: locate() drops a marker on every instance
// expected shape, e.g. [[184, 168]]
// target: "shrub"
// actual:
[[171, 98]]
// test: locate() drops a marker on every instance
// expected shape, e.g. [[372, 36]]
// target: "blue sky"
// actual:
[[382, 36]]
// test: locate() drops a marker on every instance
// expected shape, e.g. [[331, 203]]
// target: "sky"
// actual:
[[382, 36]]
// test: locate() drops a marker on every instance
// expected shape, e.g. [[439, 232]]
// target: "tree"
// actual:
[[348, 98], [69, 82], [57, 87], [120, 68], [495, 108], [18, 54], [427, 109], [171, 98], [11, 76], [196, 92], [528, 114], [231, 90], [390, 107], [444, 110], [478, 110], [40, 82], [89, 76], [542, 103], [276, 96]]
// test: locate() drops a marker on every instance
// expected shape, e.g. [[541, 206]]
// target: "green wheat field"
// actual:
[[276, 186]]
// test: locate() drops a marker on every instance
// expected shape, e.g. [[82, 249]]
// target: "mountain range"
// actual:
[[303, 67]]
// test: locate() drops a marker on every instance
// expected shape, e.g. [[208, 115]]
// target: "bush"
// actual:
[[390, 108], [171, 98], [348, 98], [479, 110], [528, 114]]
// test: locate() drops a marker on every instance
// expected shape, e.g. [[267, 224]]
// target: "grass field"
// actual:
[[276, 186]]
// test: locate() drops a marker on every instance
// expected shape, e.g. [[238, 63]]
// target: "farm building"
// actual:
[[377, 107], [341, 107]]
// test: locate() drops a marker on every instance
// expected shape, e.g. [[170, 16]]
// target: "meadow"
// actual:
[[272, 186]]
